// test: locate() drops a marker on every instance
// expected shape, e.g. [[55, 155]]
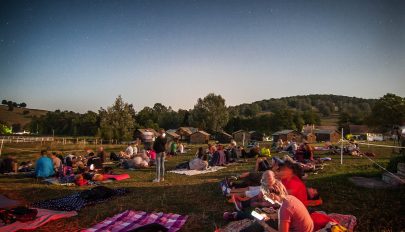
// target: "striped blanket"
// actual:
[[129, 220]]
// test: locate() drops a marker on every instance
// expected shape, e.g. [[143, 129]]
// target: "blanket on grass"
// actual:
[[188, 172], [129, 220], [69, 181], [44, 216], [79, 200], [321, 219]]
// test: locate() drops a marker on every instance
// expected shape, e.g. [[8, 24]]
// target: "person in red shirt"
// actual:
[[288, 173]]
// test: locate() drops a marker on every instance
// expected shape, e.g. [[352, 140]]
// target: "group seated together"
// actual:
[[219, 155], [89, 166], [274, 194]]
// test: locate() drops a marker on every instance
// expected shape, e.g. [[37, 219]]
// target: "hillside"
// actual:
[[327, 106], [17, 116]]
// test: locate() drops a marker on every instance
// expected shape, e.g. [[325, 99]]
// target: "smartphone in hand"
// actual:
[[257, 215]]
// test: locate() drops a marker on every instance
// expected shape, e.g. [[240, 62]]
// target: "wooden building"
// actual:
[[288, 135], [257, 136], [241, 136], [327, 136], [185, 133], [172, 135], [199, 137], [223, 137]]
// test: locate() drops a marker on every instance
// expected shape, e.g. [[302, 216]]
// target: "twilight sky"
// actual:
[[80, 55]]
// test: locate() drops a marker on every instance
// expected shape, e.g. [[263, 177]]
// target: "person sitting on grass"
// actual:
[[292, 215], [254, 151], [292, 147], [8, 164], [290, 175], [102, 154], [219, 158], [57, 163], [173, 148], [180, 148], [244, 206], [44, 167], [129, 150], [265, 151]]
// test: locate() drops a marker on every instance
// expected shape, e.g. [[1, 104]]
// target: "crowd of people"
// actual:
[[275, 184], [274, 190], [274, 194]]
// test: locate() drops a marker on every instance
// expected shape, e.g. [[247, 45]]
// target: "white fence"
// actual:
[[57, 140]]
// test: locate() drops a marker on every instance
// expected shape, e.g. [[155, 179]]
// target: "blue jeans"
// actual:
[[160, 166]]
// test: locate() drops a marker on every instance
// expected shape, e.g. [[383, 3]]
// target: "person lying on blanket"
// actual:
[[248, 180], [199, 163], [139, 161]]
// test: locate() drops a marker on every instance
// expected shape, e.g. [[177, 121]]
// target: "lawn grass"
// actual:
[[200, 197]]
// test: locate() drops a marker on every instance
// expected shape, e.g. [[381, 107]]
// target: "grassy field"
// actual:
[[201, 199]]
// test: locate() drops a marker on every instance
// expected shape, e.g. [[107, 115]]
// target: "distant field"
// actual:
[[201, 199], [332, 120], [17, 117]]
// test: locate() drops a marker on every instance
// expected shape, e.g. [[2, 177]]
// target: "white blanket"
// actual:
[[197, 172]]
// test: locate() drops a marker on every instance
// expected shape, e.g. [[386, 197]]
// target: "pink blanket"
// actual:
[[129, 220], [116, 177], [44, 216]]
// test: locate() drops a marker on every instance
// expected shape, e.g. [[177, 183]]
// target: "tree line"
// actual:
[[211, 114], [11, 105]]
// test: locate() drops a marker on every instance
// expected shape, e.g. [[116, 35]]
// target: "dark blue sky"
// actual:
[[79, 55]]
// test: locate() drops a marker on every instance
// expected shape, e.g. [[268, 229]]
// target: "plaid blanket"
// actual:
[[129, 220], [188, 172]]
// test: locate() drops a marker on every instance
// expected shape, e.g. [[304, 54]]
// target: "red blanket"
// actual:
[[116, 177]]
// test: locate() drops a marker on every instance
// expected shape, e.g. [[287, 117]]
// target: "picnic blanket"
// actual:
[[57, 181], [77, 200], [129, 220], [116, 177], [188, 172], [348, 221], [69, 181], [44, 216]]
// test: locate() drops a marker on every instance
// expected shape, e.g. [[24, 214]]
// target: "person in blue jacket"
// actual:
[[44, 166]]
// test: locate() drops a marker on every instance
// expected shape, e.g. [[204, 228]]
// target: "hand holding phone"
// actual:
[[257, 215]]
